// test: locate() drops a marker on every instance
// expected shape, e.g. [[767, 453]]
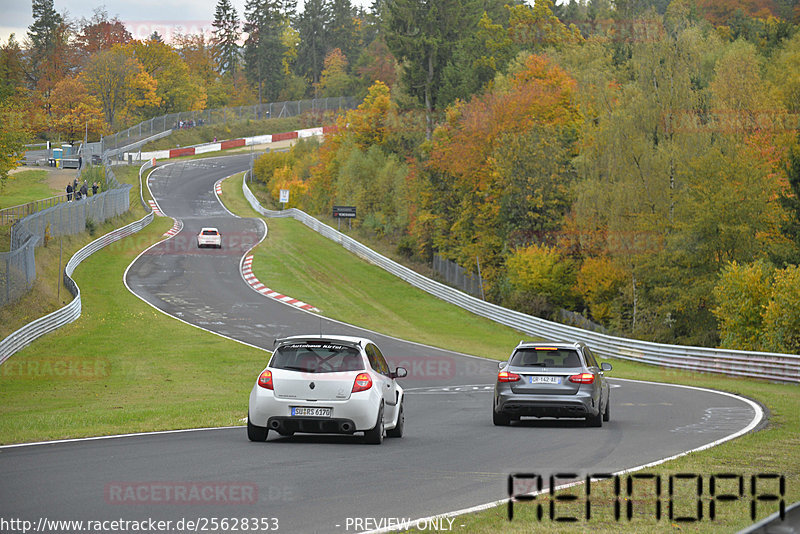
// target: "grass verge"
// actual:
[[110, 372], [296, 261], [48, 292], [26, 186]]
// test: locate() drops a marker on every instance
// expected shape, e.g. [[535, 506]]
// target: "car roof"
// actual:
[[574, 345], [209, 228], [344, 340]]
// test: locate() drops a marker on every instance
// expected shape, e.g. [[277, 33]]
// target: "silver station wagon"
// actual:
[[551, 380]]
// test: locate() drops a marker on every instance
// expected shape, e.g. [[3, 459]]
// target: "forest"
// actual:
[[634, 162]]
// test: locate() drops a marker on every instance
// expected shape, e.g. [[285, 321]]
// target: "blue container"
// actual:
[[67, 150], [58, 153]]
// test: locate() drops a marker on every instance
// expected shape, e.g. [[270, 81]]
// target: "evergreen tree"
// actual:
[[425, 35], [312, 24], [343, 33], [43, 37], [263, 49], [226, 35]]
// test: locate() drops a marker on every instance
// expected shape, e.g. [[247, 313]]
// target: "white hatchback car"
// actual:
[[327, 384], [209, 237]]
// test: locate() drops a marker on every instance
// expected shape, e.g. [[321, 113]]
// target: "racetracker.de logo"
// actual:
[[178, 493]]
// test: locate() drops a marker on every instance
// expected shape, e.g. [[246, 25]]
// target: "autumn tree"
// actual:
[[13, 136], [120, 82], [100, 33], [334, 80], [12, 70], [176, 89], [77, 113]]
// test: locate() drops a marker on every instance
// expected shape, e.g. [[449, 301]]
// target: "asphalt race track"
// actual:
[[450, 458]]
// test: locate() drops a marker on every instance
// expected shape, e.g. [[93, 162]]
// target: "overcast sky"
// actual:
[[141, 17]]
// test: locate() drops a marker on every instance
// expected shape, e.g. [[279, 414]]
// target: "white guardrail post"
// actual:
[[766, 365]]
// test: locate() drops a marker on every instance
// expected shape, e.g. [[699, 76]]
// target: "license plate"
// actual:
[[545, 379], [310, 411]]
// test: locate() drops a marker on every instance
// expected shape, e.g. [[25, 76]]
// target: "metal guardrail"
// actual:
[[770, 366], [32, 331], [148, 164]]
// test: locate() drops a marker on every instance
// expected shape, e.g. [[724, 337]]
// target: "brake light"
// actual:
[[362, 382], [265, 380], [583, 378], [505, 376]]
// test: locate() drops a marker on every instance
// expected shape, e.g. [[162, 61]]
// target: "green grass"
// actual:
[[111, 371], [26, 186]]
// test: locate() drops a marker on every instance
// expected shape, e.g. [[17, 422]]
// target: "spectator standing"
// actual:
[[95, 187], [84, 190], [69, 192]]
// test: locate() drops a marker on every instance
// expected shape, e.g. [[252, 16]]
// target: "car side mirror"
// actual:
[[605, 366], [400, 372]]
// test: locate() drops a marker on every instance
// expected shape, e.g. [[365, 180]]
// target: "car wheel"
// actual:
[[595, 420], [256, 433], [607, 413], [500, 419], [374, 436], [397, 431]]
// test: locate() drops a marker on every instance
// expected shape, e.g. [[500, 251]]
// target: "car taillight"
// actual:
[[362, 382], [583, 378], [265, 380], [505, 376]]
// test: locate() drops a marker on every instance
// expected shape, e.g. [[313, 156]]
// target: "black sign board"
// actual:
[[344, 212]]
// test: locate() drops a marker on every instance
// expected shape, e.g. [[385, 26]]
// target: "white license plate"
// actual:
[[310, 411], [545, 379]]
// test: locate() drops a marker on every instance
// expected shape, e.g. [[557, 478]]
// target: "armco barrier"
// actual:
[[71, 311], [770, 366]]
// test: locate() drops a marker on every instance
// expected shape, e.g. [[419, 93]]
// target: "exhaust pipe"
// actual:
[[274, 424], [346, 427]]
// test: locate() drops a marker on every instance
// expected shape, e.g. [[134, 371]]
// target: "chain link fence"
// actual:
[[18, 266], [457, 276], [171, 121]]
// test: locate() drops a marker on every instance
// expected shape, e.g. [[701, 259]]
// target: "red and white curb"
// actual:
[[218, 187], [155, 208], [251, 279], [176, 228]]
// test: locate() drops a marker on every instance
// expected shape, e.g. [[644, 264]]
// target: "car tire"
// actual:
[[500, 419], [607, 412], [374, 436], [397, 431], [595, 420], [256, 433]]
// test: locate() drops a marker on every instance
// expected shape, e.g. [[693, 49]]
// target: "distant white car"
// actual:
[[327, 384], [209, 237]]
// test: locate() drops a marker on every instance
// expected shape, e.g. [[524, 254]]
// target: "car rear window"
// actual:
[[317, 358], [209, 232], [531, 357]]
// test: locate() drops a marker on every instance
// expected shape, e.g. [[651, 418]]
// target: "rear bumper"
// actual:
[[360, 410], [314, 425], [581, 404]]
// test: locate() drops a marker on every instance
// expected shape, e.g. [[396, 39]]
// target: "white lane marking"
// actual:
[[759, 415]]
